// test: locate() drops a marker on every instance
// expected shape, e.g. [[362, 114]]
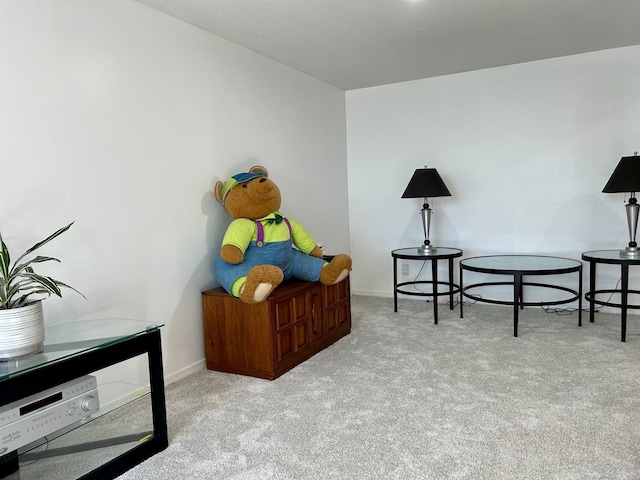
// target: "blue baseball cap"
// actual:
[[237, 179]]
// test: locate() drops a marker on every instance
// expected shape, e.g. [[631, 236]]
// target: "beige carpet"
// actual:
[[402, 398]]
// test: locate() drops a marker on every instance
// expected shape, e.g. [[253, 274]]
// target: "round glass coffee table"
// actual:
[[519, 266]]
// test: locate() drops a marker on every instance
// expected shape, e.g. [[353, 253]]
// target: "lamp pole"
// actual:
[[632, 220], [426, 211]]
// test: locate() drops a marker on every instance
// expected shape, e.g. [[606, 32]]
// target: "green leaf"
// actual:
[[45, 282], [60, 284], [26, 298], [19, 283], [5, 258], [27, 265], [43, 242]]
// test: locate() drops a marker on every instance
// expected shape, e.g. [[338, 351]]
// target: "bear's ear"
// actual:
[[217, 191], [259, 169]]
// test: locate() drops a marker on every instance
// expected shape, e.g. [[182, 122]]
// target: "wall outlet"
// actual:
[[405, 269]]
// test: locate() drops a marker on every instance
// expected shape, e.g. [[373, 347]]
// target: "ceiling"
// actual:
[[362, 43]]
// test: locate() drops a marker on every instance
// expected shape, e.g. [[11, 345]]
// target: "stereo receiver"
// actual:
[[39, 415]]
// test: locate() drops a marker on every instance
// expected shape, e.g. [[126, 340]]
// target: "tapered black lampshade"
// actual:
[[626, 176], [426, 182], [626, 179]]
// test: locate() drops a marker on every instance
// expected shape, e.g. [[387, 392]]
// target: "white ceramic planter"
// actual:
[[21, 331]]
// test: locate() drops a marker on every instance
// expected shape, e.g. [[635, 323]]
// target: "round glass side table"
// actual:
[[440, 253], [612, 257]]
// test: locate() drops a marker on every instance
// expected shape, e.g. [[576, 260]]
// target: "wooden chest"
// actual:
[[265, 340]]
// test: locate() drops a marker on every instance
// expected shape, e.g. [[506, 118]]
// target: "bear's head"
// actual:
[[249, 194]]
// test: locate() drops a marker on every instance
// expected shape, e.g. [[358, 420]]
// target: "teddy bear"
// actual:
[[257, 252]]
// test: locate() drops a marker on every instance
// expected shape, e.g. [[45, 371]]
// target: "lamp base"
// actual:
[[427, 250], [631, 252]]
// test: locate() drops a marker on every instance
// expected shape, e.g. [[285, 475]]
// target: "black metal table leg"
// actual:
[[624, 297], [451, 284], [580, 298], [517, 299], [395, 284], [434, 290], [592, 289], [461, 290]]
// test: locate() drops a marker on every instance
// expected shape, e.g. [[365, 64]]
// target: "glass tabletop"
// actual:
[[611, 256], [414, 253], [71, 338], [521, 264]]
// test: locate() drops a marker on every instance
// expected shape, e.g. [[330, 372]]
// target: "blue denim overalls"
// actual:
[[292, 262]]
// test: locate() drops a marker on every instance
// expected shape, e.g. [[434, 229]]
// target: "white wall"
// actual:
[[525, 151], [121, 119]]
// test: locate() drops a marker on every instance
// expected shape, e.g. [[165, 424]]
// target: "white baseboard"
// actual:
[[367, 293], [114, 394], [443, 301], [185, 372]]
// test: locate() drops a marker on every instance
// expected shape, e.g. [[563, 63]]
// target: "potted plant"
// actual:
[[21, 294]]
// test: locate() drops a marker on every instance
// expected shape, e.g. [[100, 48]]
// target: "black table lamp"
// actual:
[[425, 183], [626, 179]]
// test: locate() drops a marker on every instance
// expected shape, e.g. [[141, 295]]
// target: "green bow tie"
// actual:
[[277, 219]]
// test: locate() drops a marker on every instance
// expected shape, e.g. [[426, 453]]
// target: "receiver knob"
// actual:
[[89, 403]]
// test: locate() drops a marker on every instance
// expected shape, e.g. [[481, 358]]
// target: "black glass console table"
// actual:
[[519, 266], [72, 350]]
